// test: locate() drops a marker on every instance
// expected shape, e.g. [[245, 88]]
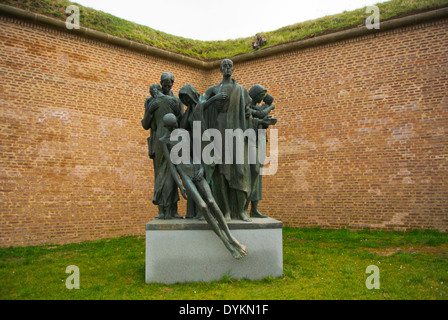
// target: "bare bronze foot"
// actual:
[[245, 217], [239, 252], [240, 248]]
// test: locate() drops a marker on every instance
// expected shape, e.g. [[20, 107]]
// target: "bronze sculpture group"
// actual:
[[216, 191]]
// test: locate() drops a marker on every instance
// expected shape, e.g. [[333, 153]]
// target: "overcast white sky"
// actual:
[[224, 19]]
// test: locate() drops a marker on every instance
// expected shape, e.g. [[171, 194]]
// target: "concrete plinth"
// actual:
[[187, 250]]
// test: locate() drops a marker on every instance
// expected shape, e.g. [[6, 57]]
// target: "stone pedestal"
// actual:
[[187, 250]]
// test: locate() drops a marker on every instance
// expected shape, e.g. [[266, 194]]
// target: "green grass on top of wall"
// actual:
[[210, 50]]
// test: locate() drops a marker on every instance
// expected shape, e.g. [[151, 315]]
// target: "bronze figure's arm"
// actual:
[[172, 167]]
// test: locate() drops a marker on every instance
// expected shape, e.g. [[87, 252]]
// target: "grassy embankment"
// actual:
[[210, 50]]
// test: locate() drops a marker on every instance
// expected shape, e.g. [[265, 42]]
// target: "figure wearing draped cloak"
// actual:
[[232, 180]]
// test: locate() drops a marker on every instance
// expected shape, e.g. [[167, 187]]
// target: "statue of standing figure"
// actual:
[[258, 94], [161, 102], [233, 181]]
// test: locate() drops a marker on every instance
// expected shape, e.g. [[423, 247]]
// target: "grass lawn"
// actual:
[[318, 264]]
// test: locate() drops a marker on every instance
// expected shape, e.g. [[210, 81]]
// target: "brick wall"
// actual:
[[73, 152], [362, 127], [363, 131]]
